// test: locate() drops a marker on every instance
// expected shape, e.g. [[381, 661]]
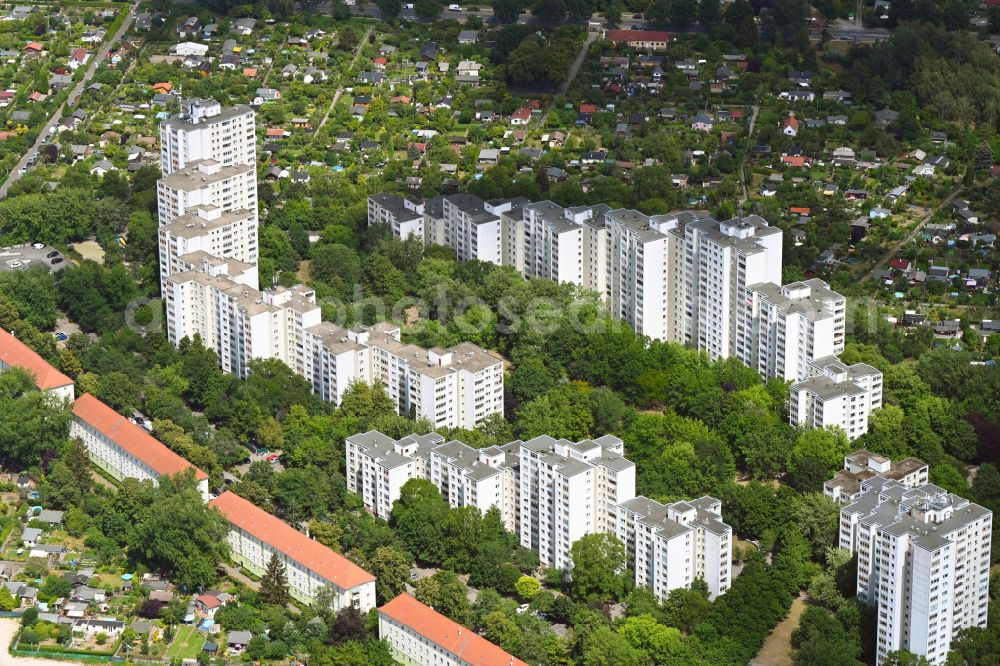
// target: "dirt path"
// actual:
[[340, 89], [910, 236], [777, 649], [8, 627], [574, 69]]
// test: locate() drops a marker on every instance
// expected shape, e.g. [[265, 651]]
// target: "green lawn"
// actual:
[[187, 643]]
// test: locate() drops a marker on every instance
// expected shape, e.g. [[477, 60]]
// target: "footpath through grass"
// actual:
[[187, 643]]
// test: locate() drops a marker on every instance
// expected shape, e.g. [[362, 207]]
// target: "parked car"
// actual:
[[57, 260], [38, 246], [60, 336], [52, 255], [454, 8]]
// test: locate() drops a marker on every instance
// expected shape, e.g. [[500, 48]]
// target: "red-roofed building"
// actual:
[[588, 108], [793, 160], [207, 604], [16, 354], [900, 265], [79, 57], [254, 535], [123, 449], [648, 40], [417, 634], [798, 210], [521, 117], [790, 126]]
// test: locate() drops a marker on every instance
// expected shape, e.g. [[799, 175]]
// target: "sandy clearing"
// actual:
[[8, 627], [777, 649]]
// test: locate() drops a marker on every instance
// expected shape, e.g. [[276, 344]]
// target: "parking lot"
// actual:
[[23, 257]]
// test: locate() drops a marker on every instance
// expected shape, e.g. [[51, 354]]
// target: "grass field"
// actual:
[[187, 643]]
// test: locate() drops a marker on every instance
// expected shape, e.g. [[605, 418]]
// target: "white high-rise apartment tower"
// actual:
[[790, 327], [203, 130], [207, 197], [720, 260], [671, 545], [923, 563]]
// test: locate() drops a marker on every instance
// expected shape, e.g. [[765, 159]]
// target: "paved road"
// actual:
[[96, 59], [340, 89], [909, 237]]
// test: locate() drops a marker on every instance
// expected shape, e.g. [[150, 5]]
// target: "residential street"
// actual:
[[43, 134]]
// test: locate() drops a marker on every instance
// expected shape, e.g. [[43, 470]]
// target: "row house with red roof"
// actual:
[[124, 450], [16, 354], [255, 536]]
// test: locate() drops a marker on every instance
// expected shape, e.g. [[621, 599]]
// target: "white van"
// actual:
[[454, 8]]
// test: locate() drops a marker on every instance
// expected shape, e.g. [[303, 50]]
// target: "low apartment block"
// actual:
[[862, 465], [123, 449], [255, 536], [669, 546], [550, 492], [836, 395], [16, 354], [923, 563], [419, 635]]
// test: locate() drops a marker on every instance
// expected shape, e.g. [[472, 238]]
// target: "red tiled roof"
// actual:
[[131, 438], [798, 210], [33, 46], [521, 114], [638, 36], [588, 108], [794, 160], [464, 643], [308, 552], [791, 121], [901, 264], [16, 354], [208, 601]]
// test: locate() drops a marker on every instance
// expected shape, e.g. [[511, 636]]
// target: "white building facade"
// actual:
[[923, 563], [669, 546], [255, 536], [549, 492], [123, 449], [204, 130], [836, 395], [790, 327]]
